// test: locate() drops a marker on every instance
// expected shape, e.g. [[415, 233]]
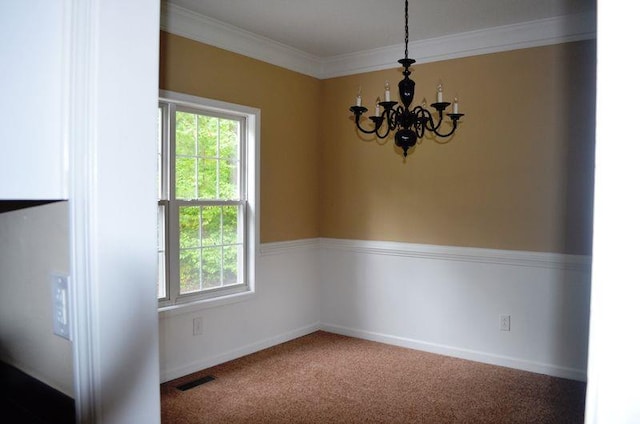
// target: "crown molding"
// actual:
[[542, 32], [185, 23]]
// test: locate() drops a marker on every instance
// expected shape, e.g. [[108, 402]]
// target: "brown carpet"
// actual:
[[327, 378]]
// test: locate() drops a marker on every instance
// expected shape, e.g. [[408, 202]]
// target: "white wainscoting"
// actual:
[[440, 299], [284, 307], [448, 300]]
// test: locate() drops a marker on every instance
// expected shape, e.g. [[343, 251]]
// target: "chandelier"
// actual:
[[411, 123]]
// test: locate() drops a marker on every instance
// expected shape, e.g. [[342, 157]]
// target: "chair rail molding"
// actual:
[[463, 254]]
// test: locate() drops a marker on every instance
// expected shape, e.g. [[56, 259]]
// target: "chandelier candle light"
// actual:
[[412, 123]]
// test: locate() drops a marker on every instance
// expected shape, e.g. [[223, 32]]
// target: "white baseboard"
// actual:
[[487, 358], [167, 375]]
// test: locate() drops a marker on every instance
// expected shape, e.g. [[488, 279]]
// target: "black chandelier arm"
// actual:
[[358, 111], [388, 116], [426, 119], [423, 117], [440, 107], [415, 123], [366, 131], [394, 117], [454, 119], [453, 129], [434, 127]]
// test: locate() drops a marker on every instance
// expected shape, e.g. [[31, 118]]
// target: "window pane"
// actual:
[[162, 275], [189, 270], [230, 229], [229, 139], [160, 227], [211, 267], [231, 264], [159, 164], [186, 178], [228, 180], [162, 272], [185, 134], [189, 226], [207, 178], [211, 226], [207, 136]]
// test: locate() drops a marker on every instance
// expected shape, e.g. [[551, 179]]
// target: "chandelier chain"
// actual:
[[406, 29]]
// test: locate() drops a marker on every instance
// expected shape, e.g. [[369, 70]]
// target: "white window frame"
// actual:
[[249, 166]]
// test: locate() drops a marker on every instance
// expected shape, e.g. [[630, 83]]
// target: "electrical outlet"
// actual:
[[197, 326], [505, 322]]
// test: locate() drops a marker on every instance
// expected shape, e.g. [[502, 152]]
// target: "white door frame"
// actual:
[[112, 64]]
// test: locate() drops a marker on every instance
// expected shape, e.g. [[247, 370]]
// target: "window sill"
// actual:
[[185, 308]]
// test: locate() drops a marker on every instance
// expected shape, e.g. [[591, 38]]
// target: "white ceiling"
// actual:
[[330, 28]]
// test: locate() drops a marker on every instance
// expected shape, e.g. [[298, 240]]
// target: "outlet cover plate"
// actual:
[[505, 322], [197, 326]]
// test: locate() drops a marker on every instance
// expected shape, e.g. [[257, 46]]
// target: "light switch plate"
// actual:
[[60, 299]]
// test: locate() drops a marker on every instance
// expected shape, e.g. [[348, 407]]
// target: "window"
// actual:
[[207, 198]]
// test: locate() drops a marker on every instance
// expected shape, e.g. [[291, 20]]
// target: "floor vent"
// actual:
[[195, 383]]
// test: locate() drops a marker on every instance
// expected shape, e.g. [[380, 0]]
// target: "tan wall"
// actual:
[[289, 104], [517, 175]]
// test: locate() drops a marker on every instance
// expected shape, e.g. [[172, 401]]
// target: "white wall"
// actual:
[[34, 243], [448, 300], [285, 306], [614, 347], [33, 87]]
